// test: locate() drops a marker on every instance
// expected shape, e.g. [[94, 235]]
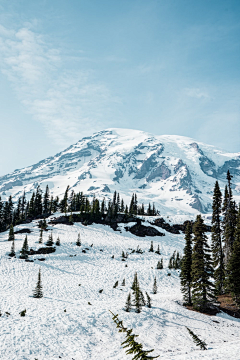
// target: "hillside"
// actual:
[[176, 173], [87, 331]]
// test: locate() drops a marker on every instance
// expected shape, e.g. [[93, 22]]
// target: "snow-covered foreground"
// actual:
[[84, 331]]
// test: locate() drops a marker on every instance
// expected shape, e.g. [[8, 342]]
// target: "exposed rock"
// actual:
[[23, 231], [106, 189], [166, 226], [61, 220], [45, 250], [162, 171], [142, 230], [196, 204]]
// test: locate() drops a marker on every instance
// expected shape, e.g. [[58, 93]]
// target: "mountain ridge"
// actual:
[[177, 173]]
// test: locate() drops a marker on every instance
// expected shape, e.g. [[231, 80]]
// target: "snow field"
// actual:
[[87, 331]]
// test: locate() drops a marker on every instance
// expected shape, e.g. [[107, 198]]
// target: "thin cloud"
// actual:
[[196, 93], [68, 103]]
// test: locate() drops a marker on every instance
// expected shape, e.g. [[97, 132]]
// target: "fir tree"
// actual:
[[50, 240], [202, 270], [233, 273], [135, 281], [229, 220], [37, 292], [11, 236], [78, 243], [24, 251], [41, 236], [58, 241], [198, 342], [158, 250], [155, 286], [151, 247], [128, 305], [186, 267], [217, 252], [12, 253], [46, 202], [133, 347], [160, 265], [123, 282], [149, 304]]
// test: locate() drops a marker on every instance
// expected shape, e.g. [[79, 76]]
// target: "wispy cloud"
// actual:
[[68, 103], [196, 93]]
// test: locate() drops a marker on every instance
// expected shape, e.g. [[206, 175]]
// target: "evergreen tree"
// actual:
[[217, 252], [46, 202], [24, 251], [229, 220], [38, 201], [137, 302], [11, 236], [128, 305], [130, 342], [198, 342], [23, 206], [135, 281], [151, 247], [155, 286], [37, 292], [50, 240], [123, 282], [233, 273], [41, 236], [158, 250], [160, 264], [186, 267], [149, 304], [78, 243], [12, 253], [58, 241], [122, 206], [202, 270]]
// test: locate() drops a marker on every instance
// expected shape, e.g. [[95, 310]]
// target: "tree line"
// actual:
[[219, 261], [41, 204]]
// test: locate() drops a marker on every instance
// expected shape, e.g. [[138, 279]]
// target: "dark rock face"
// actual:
[[162, 172], [61, 220], [119, 174], [149, 163], [23, 231], [196, 204], [173, 229], [10, 185], [46, 250], [106, 189], [208, 166], [142, 230], [93, 188], [232, 165]]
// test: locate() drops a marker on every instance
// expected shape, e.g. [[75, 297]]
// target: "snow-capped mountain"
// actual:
[[175, 172]]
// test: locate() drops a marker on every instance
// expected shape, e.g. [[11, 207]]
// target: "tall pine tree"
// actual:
[[217, 251], [233, 273], [202, 288], [186, 267]]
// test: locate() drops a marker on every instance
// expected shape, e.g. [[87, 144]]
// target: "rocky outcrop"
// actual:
[[142, 230], [162, 172]]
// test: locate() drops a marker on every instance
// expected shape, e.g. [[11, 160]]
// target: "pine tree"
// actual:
[[41, 236], [130, 342], [155, 286], [149, 304], [46, 202], [58, 241], [233, 273], [78, 243], [135, 281], [186, 267], [229, 220], [137, 302], [50, 240], [216, 246], [160, 265], [202, 270], [123, 282], [37, 292], [198, 342], [128, 305], [11, 236], [12, 253], [151, 247], [24, 251], [158, 250]]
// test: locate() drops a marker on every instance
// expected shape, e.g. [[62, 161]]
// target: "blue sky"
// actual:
[[70, 68]]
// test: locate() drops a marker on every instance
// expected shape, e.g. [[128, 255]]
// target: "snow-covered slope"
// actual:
[[175, 172], [87, 332]]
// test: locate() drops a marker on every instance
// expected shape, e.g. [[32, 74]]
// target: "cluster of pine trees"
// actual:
[[219, 262], [42, 204]]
